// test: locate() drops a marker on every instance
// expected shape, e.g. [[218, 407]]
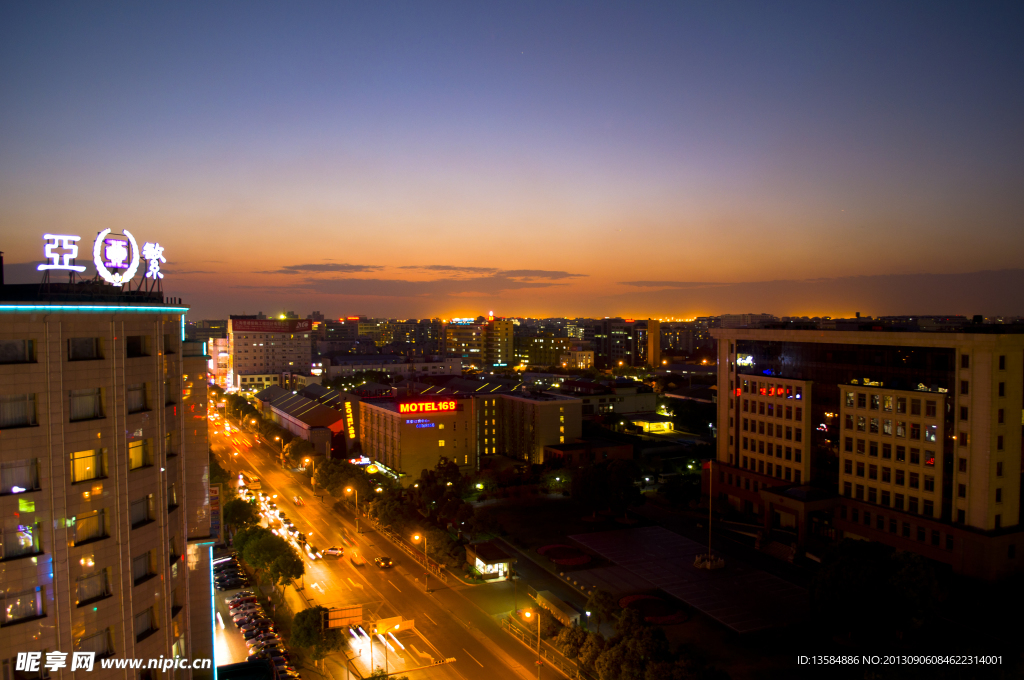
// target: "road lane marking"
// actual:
[[472, 657], [357, 585], [394, 586], [423, 655], [431, 620]]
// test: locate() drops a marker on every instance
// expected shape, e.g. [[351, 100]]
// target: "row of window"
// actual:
[[893, 525], [885, 426], [19, 476], [769, 409], [778, 431], [82, 349], [872, 448], [19, 410], [770, 449], [897, 501], [888, 404], [766, 389], [900, 478]]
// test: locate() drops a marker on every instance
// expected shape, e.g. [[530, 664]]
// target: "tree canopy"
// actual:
[[240, 513], [310, 632], [267, 552]]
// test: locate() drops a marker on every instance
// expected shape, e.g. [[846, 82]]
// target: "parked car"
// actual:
[[334, 551], [236, 602], [254, 629], [261, 638], [231, 584], [384, 562], [239, 595]]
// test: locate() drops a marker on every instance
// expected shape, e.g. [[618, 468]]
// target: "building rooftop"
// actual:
[[489, 553]]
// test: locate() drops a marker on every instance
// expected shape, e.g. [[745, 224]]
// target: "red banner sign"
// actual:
[[271, 326], [427, 406]]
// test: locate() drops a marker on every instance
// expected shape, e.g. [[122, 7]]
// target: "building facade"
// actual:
[[265, 347], [104, 469], [914, 438]]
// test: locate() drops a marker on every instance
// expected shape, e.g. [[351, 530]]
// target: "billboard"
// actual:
[[345, 616], [271, 325], [427, 406]]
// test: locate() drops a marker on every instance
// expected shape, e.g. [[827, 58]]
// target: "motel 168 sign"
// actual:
[[116, 256]]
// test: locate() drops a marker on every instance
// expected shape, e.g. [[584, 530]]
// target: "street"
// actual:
[[447, 621]]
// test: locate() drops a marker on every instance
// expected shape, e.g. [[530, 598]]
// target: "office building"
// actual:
[[912, 439], [104, 467], [481, 342], [266, 347], [625, 342]]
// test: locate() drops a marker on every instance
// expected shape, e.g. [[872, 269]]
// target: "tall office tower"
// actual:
[[484, 341], [626, 342], [104, 469], [912, 439]]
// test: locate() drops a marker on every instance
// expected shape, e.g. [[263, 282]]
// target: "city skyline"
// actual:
[[541, 161]]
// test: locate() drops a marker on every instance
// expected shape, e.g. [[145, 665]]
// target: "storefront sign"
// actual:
[[116, 256], [427, 406]]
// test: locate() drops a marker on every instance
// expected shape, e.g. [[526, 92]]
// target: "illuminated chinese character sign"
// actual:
[[116, 256]]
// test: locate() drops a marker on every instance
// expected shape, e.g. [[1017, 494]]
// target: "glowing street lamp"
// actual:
[[416, 539], [349, 490], [529, 614]]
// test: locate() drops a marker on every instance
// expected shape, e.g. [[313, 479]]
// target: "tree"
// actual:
[[266, 551], [379, 674], [591, 650], [297, 449], [571, 640], [310, 632], [239, 513], [602, 606]]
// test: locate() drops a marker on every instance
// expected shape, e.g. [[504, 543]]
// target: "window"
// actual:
[[965, 361], [873, 449], [847, 489], [963, 413], [136, 401], [962, 439], [19, 541], [886, 474], [142, 511], [912, 504], [898, 501], [797, 455], [872, 472], [887, 451], [999, 416], [17, 351], [144, 625], [142, 568], [931, 433], [849, 421], [860, 469], [999, 495], [93, 587], [929, 483], [136, 346], [962, 465], [915, 431], [862, 400], [901, 454], [930, 409], [1002, 362], [1002, 389], [901, 404], [861, 424], [789, 453], [798, 434], [84, 349], [860, 492], [17, 476], [965, 387], [901, 429], [887, 403], [875, 402], [21, 606], [915, 480], [789, 432], [87, 465], [999, 442], [760, 408], [796, 476], [885, 498], [86, 404], [861, 446], [139, 454], [900, 477], [961, 491], [848, 444], [915, 456], [90, 526], [172, 496], [999, 521], [97, 643], [849, 399], [999, 469], [440, 442], [789, 413], [848, 466], [17, 410], [873, 426], [799, 413]]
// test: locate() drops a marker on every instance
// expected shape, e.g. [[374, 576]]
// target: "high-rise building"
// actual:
[[482, 342], [625, 342], [912, 439], [262, 347], [104, 478]]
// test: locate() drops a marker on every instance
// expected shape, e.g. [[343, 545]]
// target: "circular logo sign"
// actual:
[[116, 257]]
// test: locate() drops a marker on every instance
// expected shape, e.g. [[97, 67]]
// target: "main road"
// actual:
[[450, 621]]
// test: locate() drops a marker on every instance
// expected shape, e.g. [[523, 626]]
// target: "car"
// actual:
[[259, 623], [262, 638], [272, 647], [313, 552], [228, 574], [230, 585], [254, 629], [237, 601], [255, 619], [288, 672], [384, 562], [334, 551], [243, 618], [297, 500], [239, 595]]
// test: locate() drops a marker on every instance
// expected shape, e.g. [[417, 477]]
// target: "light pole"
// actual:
[[426, 575], [351, 490], [528, 615]]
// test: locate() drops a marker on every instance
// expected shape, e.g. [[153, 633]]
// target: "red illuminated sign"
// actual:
[[271, 326], [427, 406]]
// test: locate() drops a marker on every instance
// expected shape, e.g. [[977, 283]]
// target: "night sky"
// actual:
[[438, 159]]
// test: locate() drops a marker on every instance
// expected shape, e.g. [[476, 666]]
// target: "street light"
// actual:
[[350, 490], [426, 575], [528, 614]]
